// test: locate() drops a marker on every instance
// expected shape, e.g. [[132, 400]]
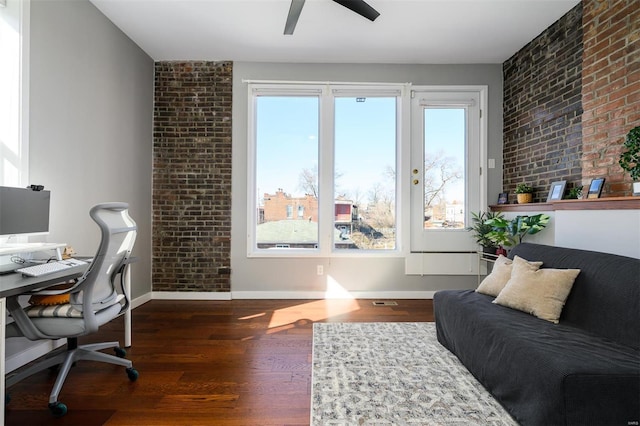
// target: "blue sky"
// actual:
[[288, 133], [365, 144], [365, 132], [287, 141]]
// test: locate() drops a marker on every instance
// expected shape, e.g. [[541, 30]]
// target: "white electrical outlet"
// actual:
[[492, 163], [320, 269]]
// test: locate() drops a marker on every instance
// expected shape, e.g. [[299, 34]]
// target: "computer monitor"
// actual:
[[23, 211]]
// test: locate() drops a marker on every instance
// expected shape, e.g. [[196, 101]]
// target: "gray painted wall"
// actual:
[[91, 110], [287, 277], [90, 125]]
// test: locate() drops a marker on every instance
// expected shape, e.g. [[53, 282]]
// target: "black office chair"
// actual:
[[93, 301]]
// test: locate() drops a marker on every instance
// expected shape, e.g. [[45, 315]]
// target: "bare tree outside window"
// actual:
[[444, 153], [308, 181], [439, 173]]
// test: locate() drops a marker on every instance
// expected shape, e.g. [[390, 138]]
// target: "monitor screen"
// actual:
[[23, 211]]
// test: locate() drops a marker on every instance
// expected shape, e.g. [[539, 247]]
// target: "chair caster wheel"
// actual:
[[58, 409], [120, 353], [132, 373]]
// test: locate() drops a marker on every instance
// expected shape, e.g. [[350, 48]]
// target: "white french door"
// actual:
[[447, 150]]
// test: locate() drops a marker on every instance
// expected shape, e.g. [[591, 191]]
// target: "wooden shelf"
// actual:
[[529, 207], [609, 203]]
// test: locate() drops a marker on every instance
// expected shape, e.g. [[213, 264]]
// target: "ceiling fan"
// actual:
[[358, 6]]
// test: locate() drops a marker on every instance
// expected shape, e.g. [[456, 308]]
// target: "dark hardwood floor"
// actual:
[[240, 362]]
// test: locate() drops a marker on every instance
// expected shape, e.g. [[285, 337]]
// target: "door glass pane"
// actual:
[[444, 168], [287, 172], [364, 174]]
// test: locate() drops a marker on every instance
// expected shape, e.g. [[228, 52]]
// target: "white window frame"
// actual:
[[327, 92], [458, 240], [21, 8]]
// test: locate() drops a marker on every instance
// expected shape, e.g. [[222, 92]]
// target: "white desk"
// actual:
[[16, 284]]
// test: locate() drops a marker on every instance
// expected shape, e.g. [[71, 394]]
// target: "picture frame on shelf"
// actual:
[[595, 188], [503, 198], [556, 191]]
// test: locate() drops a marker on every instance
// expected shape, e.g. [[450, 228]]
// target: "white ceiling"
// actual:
[[407, 31]]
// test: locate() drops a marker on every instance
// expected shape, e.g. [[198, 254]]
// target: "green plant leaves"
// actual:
[[511, 232], [630, 159]]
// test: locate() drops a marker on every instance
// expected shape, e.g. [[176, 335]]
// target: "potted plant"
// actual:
[[507, 232], [524, 193], [574, 193], [481, 230], [630, 159]]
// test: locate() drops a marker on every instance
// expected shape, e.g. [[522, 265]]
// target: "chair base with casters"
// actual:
[[92, 301], [66, 358]]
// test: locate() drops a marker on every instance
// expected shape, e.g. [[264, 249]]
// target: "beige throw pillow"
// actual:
[[541, 292], [499, 276]]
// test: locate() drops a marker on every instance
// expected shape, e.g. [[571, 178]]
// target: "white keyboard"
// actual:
[[50, 267]]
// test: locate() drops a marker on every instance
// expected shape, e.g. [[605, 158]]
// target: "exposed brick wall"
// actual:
[[611, 89], [542, 109], [192, 176]]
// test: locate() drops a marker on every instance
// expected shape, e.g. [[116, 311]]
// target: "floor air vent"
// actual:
[[385, 303]]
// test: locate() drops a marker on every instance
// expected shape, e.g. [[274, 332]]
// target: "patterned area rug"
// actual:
[[394, 374]]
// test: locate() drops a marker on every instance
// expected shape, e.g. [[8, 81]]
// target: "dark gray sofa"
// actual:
[[583, 371]]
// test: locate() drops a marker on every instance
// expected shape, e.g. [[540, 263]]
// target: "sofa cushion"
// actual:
[[542, 373], [493, 283], [605, 297], [52, 311], [539, 292], [46, 298]]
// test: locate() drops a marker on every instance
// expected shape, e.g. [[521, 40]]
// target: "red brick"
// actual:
[[633, 98], [625, 91]]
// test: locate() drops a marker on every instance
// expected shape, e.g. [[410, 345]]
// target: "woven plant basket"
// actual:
[[525, 198]]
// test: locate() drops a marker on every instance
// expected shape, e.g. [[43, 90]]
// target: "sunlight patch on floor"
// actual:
[[261, 314], [338, 301], [314, 311]]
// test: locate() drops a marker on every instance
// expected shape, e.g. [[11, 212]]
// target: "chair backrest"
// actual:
[[97, 286]]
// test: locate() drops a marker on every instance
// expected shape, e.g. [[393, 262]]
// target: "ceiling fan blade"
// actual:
[[360, 7], [294, 14]]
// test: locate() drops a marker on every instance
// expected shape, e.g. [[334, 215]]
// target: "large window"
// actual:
[[325, 162], [14, 55], [329, 154], [286, 171], [365, 172]]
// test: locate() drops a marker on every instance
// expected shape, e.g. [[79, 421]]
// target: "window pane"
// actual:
[[287, 172], [365, 163], [444, 148]]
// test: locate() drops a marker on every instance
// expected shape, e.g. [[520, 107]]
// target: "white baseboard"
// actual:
[[285, 295], [138, 301], [324, 295], [190, 295]]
